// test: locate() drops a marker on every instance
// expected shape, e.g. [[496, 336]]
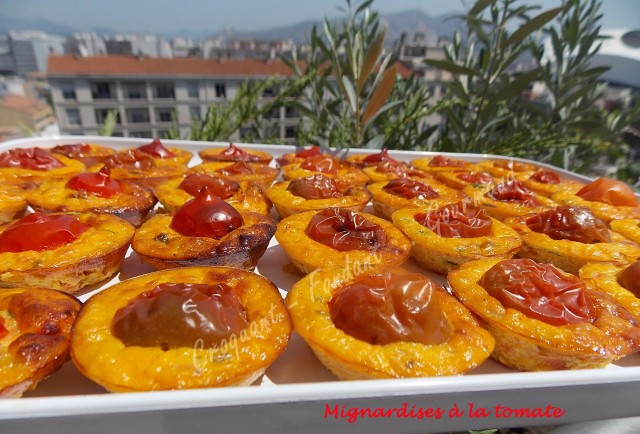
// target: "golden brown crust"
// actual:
[[248, 198], [450, 179], [442, 255], [601, 210], [501, 210], [102, 357], [351, 359], [423, 164], [14, 174], [521, 169], [96, 155], [529, 344], [628, 228], [132, 204], [162, 247], [39, 323], [307, 254], [547, 190], [12, 202], [286, 203], [264, 177], [93, 257], [215, 154], [603, 276], [346, 177]]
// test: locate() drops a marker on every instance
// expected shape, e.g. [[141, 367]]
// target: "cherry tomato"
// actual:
[[314, 187], [222, 188], [239, 168], [29, 158], [513, 191], [390, 306], [180, 315], [156, 149], [574, 223], [393, 167], [539, 291], [629, 278], [381, 156], [233, 153], [475, 177], [344, 230], [3, 329], [513, 166], [97, 183], [545, 177], [40, 232], [410, 189], [321, 163], [442, 161], [609, 191], [130, 159], [310, 152], [206, 215], [457, 220], [72, 151]]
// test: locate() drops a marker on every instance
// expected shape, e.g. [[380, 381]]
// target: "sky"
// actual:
[[154, 16]]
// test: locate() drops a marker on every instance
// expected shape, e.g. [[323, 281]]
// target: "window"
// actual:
[[68, 91], [290, 132], [164, 114], [193, 90], [194, 112], [141, 134], [101, 115], [134, 90], [291, 112], [268, 93], [221, 90], [164, 90], [73, 117], [138, 115], [102, 90]]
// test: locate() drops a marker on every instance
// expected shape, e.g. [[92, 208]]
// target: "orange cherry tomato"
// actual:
[[457, 220], [539, 291], [314, 187], [40, 232], [344, 230], [609, 191]]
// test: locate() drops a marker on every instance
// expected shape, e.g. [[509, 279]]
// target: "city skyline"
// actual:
[[197, 16]]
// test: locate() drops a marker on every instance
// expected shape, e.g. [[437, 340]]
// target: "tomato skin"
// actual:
[[72, 150], [206, 215], [314, 187], [457, 220], [222, 188], [3, 329], [97, 183], [539, 291], [573, 223], [321, 163], [610, 191], [513, 191], [175, 315], [39, 232], [344, 230], [233, 153], [156, 149], [29, 158], [130, 159], [410, 189], [382, 156], [233, 150], [239, 168], [545, 177], [390, 306], [442, 161], [629, 278], [475, 177], [310, 152]]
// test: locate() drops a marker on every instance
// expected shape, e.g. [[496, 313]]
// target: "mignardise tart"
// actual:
[[233, 153], [259, 174], [89, 154], [36, 165], [439, 335], [35, 333], [164, 359]]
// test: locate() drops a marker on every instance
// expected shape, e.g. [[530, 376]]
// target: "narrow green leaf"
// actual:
[[381, 94], [517, 85], [479, 6], [376, 142], [350, 93], [373, 53], [450, 67], [532, 25]]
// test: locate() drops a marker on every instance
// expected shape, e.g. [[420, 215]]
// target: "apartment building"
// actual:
[[18, 112], [147, 93]]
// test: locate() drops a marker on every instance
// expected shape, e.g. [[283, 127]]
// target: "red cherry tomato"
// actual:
[[540, 291], [310, 152], [40, 232], [180, 315], [442, 161], [233, 150], [545, 177], [513, 191], [206, 216], [321, 163], [609, 191], [475, 177], [72, 151], [3, 329], [382, 156], [629, 278], [130, 159], [574, 223], [29, 158], [239, 168], [314, 187], [390, 306], [97, 183], [410, 189], [457, 220], [222, 188], [156, 149], [233, 153], [344, 230]]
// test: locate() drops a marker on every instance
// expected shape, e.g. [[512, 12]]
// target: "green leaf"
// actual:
[[373, 53], [381, 94], [450, 67], [376, 142], [350, 93], [532, 25], [517, 85], [479, 6]]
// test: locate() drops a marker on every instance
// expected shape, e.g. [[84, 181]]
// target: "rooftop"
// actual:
[[23, 104]]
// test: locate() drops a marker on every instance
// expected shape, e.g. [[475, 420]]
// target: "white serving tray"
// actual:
[[298, 394]]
